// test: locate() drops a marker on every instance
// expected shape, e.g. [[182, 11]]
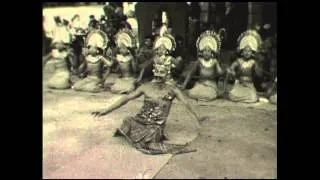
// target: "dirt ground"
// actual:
[[236, 141]]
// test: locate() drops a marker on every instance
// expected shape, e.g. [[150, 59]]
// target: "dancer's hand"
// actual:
[[99, 113], [229, 71]]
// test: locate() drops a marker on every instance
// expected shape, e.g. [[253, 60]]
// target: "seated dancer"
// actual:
[[94, 63], [125, 59], [145, 58], [207, 66], [145, 130], [62, 56], [164, 45], [244, 67]]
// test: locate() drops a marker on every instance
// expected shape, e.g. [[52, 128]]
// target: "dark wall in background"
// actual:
[[179, 12], [235, 23], [176, 11], [270, 14]]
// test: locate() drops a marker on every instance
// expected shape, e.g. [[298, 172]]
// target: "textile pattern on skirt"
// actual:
[[204, 91], [145, 130], [243, 92], [146, 137]]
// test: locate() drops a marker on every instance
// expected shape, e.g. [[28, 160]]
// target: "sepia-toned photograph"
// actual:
[[159, 90]]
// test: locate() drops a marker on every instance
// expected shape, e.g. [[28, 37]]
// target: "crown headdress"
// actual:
[[209, 39], [249, 38], [167, 40], [127, 38], [97, 38]]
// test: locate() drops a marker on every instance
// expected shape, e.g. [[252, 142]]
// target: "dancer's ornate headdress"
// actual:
[[167, 40], [209, 39], [160, 69], [250, 38], [97, 38], [127, 38]]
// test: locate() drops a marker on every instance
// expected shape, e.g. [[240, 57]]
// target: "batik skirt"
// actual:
[[243, 92], [146, 137]]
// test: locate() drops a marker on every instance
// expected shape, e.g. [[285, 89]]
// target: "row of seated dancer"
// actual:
[[123, 68]]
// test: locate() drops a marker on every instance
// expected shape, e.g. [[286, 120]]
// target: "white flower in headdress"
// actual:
[[98, 39], [251, 39], [209, 39]]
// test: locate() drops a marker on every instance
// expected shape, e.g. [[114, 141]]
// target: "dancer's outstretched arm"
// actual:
[[120, 101]]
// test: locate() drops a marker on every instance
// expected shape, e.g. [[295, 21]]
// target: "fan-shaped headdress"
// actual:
[[209, 39], [250, 38], [167, 40], [127, 38], [97, 38]]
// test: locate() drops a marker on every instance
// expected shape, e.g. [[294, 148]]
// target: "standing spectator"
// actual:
[[93, 23], [235, 22], [57, 20], [75, 22], [204, 16], [102, 19], [65, 23]]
